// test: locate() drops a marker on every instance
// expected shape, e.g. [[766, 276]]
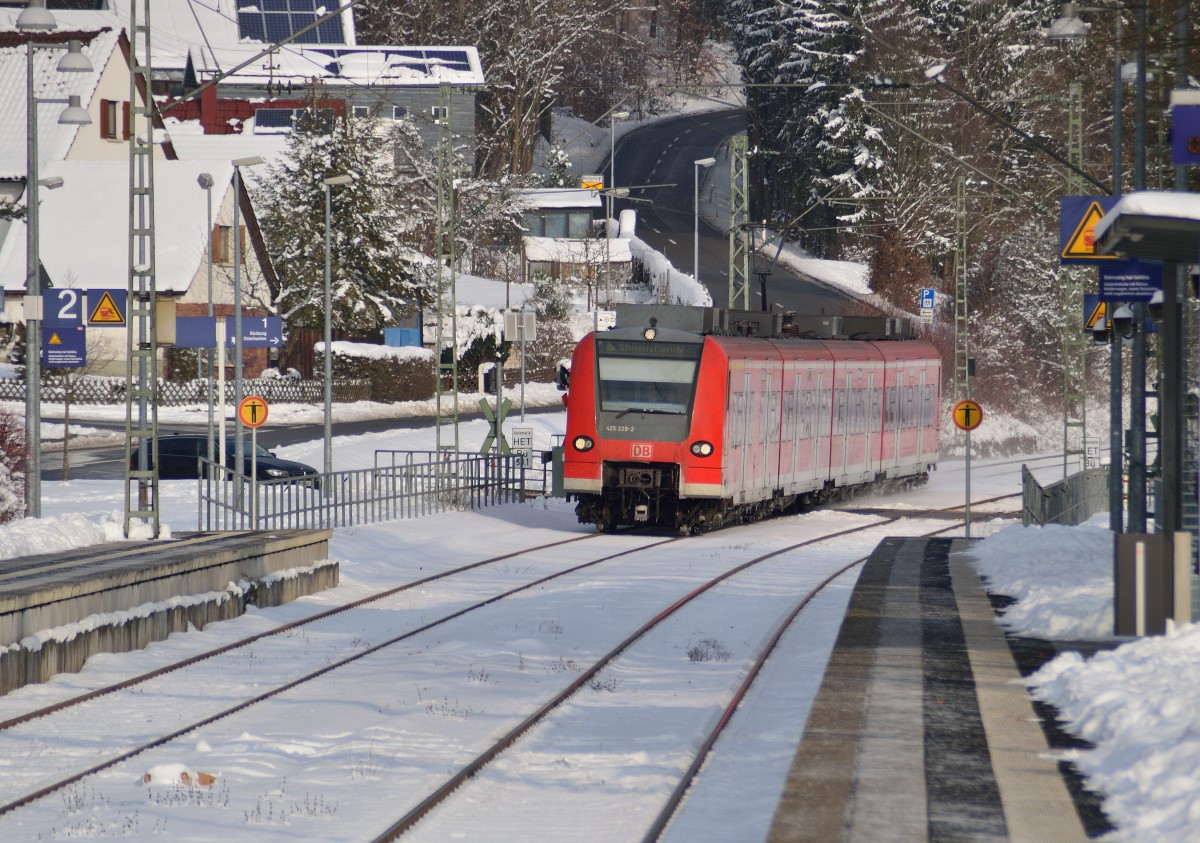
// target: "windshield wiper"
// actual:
[[647, 411]]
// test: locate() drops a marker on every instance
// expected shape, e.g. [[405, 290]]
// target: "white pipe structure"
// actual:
[[205, 180], [705, 163]]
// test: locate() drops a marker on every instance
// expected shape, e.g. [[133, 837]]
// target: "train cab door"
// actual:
[[895, 402], [822, 441], [868, 425], [920, 420]]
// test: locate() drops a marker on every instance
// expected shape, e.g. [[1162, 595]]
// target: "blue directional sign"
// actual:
[[257, 332], [927, 298], [196, 331], [1130, 280], [64, 345]]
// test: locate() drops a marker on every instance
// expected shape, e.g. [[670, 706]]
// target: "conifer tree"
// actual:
[[376, 276]]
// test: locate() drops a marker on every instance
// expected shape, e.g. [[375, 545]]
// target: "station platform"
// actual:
[[57, 609], [922, 729]]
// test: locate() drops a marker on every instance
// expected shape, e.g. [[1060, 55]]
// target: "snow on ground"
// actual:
[[1135, 702]]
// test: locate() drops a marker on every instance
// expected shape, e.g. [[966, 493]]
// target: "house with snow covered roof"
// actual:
[[193, 43], [83, 224], [560, 239]]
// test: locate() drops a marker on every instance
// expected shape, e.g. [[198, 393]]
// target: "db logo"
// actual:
[[642, 451]]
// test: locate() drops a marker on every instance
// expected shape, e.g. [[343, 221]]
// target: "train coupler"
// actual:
[[641, 513]]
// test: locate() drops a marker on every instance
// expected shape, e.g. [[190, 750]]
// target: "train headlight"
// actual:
[[702, 448], [650, 333], [583, 443]]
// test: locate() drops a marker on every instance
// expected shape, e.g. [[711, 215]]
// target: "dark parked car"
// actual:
[[179, 457]]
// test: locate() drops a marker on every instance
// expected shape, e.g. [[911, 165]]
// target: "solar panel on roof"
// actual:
[[275, 118], [276, 20]]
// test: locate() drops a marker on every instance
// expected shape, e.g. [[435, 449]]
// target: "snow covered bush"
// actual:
[[395, 373], [12, 466]]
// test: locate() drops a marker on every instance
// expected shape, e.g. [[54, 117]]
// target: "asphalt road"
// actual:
[[664, 153]]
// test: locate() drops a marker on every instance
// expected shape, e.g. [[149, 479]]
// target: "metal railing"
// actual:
[[403, 484], [1070, 501]]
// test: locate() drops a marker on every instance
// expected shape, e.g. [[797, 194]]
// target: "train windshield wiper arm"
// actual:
[[646, 410]]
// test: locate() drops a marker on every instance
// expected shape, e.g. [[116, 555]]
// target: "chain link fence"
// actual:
[[193, 392]]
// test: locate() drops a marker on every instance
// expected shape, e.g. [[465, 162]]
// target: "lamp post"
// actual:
[[609, 195], [701, 163], [239, 447], [329, 184], [1069, 26], [612, 145], [36, 18], [205, 180]]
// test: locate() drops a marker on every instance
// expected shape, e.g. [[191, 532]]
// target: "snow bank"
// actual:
[[33, 536], [1060, 576], [1137, 705], [680, 287]]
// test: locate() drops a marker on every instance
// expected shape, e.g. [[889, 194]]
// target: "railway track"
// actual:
[[310, 676], [443, 793], [542, 712]]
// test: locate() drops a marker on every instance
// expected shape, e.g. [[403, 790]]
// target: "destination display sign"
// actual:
[[634, 348]]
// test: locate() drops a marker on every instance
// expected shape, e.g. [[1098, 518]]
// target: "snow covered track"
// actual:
[[459, 786], [75, 703]]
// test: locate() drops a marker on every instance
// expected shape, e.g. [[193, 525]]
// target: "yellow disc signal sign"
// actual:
[[252, 411], [967, 415]]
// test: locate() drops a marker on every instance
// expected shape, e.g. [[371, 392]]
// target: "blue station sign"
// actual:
[[257, 332], [1185, 135], [64, 345], [195, 332], [1130, 280]]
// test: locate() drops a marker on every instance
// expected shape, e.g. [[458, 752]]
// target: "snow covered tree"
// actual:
[[376, 275]]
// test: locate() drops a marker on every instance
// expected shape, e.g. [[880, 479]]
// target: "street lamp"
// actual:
[[702, 163], [239, 448], [612, 144], [329, 184], [36, 18], [1068, 27], [205, 180], [609, 195]]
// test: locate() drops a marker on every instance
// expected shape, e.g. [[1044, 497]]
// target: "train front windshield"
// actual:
[[655, 377]]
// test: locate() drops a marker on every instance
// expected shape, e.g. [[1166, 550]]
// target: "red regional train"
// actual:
[[693, 418]]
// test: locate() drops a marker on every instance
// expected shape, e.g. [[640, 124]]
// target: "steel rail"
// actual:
[[279, 630], [414, 815], [309, 677], [676, 798], [442, 793]]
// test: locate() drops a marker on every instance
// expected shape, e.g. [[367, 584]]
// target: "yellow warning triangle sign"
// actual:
[[106, 312], [55, 339], [1097, 315], [1082, 243]]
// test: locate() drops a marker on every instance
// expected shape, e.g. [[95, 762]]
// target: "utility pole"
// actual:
[[739, 218], [1074, 350], [962, 346], [141, 368]]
